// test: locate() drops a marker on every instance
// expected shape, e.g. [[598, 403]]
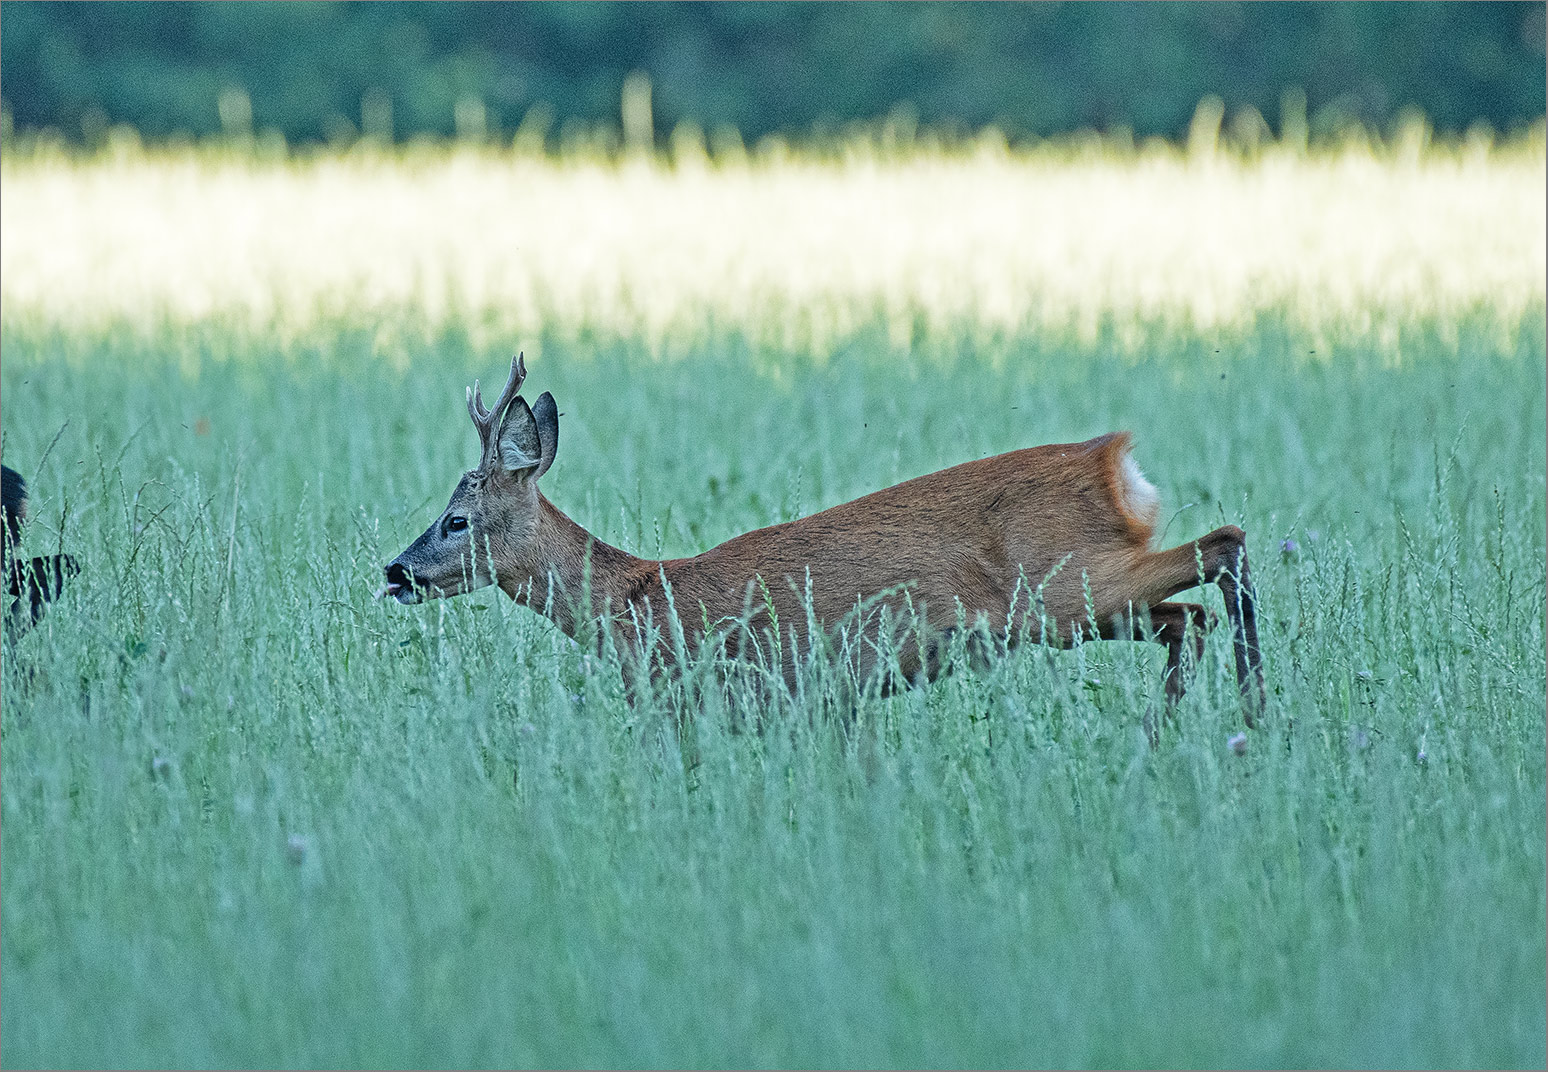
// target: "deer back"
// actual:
[[1064, 517]]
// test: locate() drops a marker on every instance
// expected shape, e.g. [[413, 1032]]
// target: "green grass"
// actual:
[[253, 817]]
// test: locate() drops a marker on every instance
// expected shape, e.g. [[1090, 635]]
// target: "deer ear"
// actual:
[[546, 413], [518, 446]]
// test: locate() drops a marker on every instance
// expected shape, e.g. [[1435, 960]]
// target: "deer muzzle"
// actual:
[[400, 585]]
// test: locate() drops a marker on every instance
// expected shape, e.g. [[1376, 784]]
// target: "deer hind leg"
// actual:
[[1218, 558], [1176, 625], [1169, 624]]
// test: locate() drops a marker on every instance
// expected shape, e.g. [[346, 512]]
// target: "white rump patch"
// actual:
[[1137, 497]]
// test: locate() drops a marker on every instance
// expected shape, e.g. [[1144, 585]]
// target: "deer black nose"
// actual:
[[397, 575]]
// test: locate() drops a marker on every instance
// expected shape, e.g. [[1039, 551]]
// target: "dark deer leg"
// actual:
[[1172, 624], [1219, 558], [1169, 625], [1241, 602], [41, 580]]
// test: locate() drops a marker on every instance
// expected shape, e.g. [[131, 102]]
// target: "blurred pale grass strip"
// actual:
[[791, 250]]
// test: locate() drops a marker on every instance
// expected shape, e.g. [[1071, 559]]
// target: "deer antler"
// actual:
[[488, 420]]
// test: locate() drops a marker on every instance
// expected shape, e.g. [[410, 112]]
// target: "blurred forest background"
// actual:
[[329, 72]]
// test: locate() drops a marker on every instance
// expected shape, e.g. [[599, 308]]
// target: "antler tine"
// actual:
[[512, 385], [484, 419]]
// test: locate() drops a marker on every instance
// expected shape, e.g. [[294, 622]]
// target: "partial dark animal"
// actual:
[[30, 583]]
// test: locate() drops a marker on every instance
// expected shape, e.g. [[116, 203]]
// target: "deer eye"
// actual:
[[456, 524]]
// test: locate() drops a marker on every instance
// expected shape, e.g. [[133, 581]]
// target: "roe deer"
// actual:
[[40, 580], [1072, 522]]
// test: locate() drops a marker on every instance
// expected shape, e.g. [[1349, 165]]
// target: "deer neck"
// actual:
[[552, 577]]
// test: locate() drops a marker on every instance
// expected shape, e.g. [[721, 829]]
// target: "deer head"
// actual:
[[493, 515]]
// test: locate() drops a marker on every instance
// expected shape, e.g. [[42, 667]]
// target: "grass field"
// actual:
[[251, 816]]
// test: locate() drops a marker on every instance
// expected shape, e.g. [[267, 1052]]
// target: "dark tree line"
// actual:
[[305, 69]]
